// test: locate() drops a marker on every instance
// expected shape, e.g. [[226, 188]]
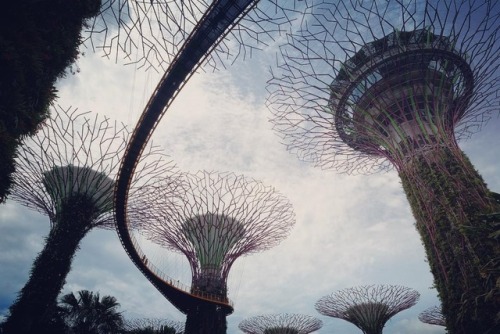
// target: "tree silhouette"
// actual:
[[38, 41]]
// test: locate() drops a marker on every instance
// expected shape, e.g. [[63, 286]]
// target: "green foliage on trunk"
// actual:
[[449, 201], [38, 41], [36, 303]]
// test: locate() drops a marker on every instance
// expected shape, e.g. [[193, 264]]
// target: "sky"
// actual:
[[350, 230]]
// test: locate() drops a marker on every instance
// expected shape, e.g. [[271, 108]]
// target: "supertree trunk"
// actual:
[[206, 319], [449, 200], [34, 307], [212, 284]]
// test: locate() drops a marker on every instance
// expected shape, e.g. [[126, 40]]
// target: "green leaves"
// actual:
[[90, 314]]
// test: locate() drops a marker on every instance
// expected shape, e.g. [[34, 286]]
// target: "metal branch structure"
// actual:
[[152, 33], [364, 87], [284, 323], [153, 325], [67, 171], [368, 307], [223, 217], [433, 316], [332, 68]]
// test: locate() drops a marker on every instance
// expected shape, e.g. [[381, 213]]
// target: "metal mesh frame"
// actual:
[[263, 218], [284, 323], [368, 307]]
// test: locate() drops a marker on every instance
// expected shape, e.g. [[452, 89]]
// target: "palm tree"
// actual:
[[87, 314]]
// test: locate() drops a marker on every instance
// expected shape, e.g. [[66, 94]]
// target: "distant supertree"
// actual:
[[151, 33], [224, 216], [366, 86], [281, 324], [432, 315], [368, 307], [67, 171], [153, 325]]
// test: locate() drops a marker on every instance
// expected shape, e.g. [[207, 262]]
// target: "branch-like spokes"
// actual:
[[154, 324], [367, 306], [331, 37], [77, 153], [223, 216], [433, 316], [284, 323], [151, 33]]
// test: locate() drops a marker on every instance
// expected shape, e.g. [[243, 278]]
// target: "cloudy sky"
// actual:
[[350, 230]]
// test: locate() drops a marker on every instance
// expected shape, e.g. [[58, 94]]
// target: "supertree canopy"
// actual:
[[224, 216], [433, 316], [153, 325], [401, 95], [67, 172], [151, 33], [346, 54], [281, 324], [62, 183], [368, 307], [367, 86]]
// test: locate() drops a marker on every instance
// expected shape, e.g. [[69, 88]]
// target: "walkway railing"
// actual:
[[173, 282]]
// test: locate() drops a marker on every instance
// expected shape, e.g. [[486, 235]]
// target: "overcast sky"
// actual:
[[350, 230]]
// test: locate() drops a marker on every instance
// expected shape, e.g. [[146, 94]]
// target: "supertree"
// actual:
[[280, 324], [141, 325], [432, 315], [368, 307], [67, 172], [367, 86], [223, 217]]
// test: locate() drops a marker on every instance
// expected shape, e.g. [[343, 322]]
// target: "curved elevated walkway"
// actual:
[[219, 19]]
